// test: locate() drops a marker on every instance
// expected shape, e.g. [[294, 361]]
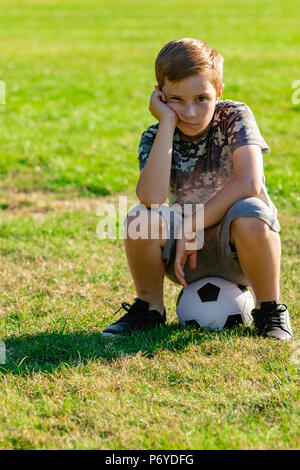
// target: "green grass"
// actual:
[[78, 79]]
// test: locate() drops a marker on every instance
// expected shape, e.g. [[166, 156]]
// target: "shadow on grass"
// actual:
[[49, 351]]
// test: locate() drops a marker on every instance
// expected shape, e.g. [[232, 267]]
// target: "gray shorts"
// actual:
[[217, 257]]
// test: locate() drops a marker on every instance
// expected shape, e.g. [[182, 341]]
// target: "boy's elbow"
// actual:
[[148, 202], [255, 188], [142, 200], [252, 188]]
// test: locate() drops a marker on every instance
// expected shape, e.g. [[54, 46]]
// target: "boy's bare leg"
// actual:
[[145, 263], [259, 250]]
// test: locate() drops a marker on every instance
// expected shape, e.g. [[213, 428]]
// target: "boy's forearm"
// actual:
[[153, 184], [216, 208]]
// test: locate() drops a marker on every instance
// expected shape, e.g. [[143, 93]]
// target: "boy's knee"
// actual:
[[142, 222], [248, 228]]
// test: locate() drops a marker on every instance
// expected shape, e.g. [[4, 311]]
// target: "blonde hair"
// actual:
[[185, 57]]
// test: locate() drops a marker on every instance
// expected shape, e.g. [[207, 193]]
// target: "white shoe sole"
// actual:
[[109, 335]]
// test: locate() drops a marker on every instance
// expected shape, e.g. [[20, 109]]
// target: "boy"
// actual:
[[203, 151]]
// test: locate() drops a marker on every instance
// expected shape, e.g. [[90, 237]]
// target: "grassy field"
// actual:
[[78, 79]]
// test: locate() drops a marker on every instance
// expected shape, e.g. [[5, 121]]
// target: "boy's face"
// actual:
[[193, 99]]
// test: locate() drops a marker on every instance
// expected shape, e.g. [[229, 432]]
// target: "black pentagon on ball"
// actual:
[[179, 297], [209, 292], [192, 323], [233, 320], [242, 288]]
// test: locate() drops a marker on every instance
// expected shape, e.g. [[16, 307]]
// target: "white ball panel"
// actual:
[[214, 314]]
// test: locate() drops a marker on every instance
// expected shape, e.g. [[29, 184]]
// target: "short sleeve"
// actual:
[[242, 129], [145, 145]]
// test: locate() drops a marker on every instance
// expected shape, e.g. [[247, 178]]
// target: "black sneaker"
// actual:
[[137, 318], [272, 320]]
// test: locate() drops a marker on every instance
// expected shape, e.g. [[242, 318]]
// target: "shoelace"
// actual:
[[269, 320], [125, 305], [132, 312]]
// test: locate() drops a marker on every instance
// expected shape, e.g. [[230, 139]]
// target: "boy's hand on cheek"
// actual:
[[159, 108]]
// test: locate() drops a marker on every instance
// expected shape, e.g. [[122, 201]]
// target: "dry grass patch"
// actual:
[[65, 387]]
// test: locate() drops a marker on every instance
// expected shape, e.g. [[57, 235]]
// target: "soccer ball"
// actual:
[[214, 303]]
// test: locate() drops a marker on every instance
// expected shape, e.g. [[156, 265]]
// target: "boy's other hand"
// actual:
[[159, 108], [182, 254]]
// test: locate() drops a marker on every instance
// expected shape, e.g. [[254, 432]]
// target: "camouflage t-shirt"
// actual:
[[200, 168]]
